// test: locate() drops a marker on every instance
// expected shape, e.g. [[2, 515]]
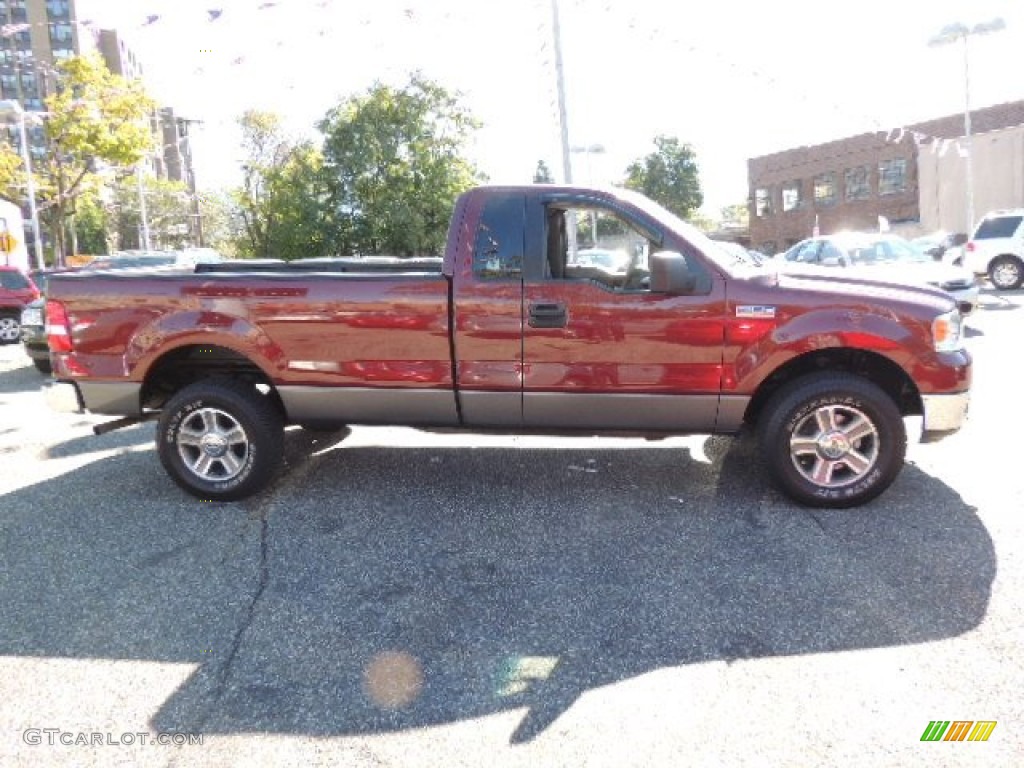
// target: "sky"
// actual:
[[734, 80]]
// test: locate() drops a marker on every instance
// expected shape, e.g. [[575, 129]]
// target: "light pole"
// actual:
[[952, 33], [9, 107], [587, 150]]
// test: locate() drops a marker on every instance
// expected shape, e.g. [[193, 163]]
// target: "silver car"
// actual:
[[884, 257]]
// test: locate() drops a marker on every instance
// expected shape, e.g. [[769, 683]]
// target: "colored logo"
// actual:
[[958, 730]]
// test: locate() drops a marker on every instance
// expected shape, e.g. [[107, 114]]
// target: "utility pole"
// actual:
[[563, 124]]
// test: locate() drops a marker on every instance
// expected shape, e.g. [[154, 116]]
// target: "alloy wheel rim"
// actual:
[[9, 329], [834, 446], [213, 445]]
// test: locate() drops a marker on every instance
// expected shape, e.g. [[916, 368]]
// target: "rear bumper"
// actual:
[[114, 398], [63, 396], [943, 415]]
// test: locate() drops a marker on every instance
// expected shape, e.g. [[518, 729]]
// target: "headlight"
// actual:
[[946, 332]]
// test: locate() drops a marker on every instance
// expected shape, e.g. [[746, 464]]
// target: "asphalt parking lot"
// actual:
[[404, 598]]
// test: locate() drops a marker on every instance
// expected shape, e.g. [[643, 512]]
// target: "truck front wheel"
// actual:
[[220, 440], [832, 440]]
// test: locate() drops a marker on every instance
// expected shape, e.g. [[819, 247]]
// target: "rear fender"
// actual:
[[198, 328]]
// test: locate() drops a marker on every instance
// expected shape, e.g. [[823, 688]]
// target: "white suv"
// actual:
[[997, 248]]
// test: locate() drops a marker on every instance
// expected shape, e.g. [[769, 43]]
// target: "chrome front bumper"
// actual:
[[943, 415], [63, 396]]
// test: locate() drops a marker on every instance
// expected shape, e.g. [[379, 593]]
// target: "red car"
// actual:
[[16, 291]]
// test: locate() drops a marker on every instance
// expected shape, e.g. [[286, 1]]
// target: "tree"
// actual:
[[12, 173], [168, 213], [281, 204], [737, 215], [94, 118], [393, 164], [668, 176], [543, 174]]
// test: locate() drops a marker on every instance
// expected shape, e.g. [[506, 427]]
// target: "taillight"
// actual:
[[970, 246], [58, 329]]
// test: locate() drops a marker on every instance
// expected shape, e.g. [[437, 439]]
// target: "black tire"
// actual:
[[42, 365], [10, 329], [1006, 273], [832, 440], [220, 440]]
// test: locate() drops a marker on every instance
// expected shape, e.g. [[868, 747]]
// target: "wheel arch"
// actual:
[[872, 366], [189, 363]]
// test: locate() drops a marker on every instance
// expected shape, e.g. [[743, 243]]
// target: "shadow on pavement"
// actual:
[[378, 589]]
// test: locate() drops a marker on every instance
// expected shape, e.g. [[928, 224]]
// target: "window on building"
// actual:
[[63, 53], [892, 176], [499, 239], [57, 8], [791, 196], [825, 189], [763, 202], [858, 183], [60, 33]]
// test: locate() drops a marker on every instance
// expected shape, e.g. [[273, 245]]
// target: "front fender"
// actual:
[[754, 358]]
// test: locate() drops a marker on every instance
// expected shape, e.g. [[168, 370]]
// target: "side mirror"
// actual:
[[670, 274], [831, 261]]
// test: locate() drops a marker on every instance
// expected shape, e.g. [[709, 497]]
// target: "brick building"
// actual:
[[849, 183]]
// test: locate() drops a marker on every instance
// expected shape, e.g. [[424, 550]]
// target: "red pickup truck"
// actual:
[[517, 329]]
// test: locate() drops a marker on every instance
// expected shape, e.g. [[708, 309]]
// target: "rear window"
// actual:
[[1000, 226], [14, 281]]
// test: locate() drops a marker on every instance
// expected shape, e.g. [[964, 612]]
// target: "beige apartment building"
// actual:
[[35, 35]]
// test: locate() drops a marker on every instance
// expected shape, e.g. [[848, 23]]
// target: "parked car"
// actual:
[[996, 249], [16, 292], [885, 257], [941, 246]]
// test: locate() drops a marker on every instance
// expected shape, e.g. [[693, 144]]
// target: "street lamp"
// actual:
[[952, 33], [587, 150], [9, 107]]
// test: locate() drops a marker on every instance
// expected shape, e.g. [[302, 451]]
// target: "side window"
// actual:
[[832, 254], [598, 245], [805, 254], [498, 251], [997, 226], [13, 281]]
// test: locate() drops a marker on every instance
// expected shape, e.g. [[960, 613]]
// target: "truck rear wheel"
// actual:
[[220, 440], [832, 440]]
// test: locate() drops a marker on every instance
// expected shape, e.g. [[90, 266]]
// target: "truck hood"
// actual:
[[845, 287], [907, 273]]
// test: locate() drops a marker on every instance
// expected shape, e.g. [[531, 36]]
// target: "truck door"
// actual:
[[600, 349], [487, 307]]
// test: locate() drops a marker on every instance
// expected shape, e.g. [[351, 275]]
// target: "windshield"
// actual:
[[881, 250], [713, 250]]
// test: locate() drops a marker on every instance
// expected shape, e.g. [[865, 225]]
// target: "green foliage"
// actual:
[[91, 222], [394, 166], [281, 204], [94, 118], [737, 215], [168, 213], [669, 176], [543, 174], [12, 173]]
